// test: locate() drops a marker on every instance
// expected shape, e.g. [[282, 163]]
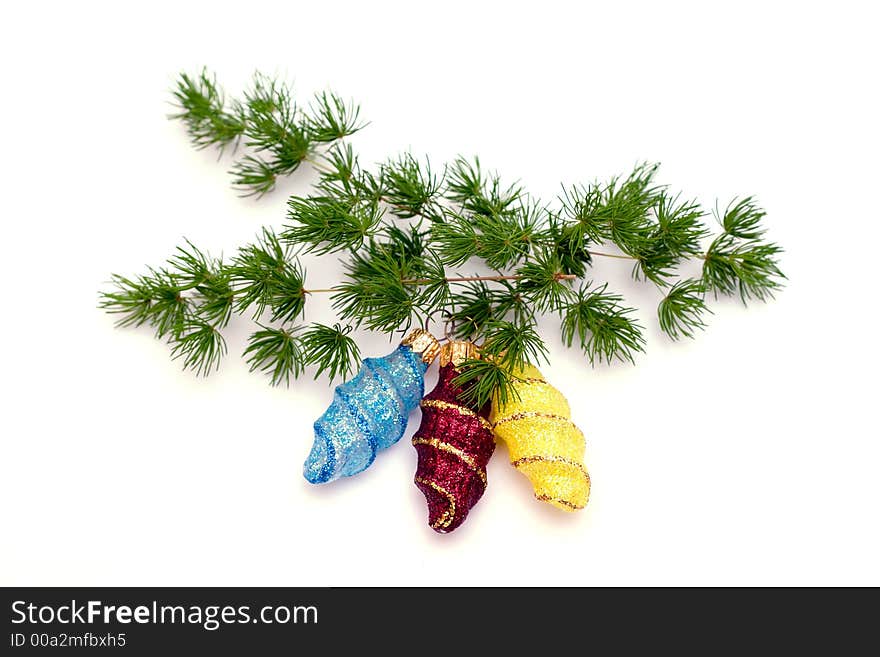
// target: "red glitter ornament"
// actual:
[[454, 443]]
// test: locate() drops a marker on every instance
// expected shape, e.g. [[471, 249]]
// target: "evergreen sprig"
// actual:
[[507, 349], [202, 107], [543, 283], [343, 178], [209, 278], [275, 351], [331, 350], [477, 192], [401, 227], [411, 188], [265, 276], [200, 345], [500, 240], [390, 282], [738, 261], [745, 267], [153, 299], [681, 311], [324, 224], [280, 135], [616, 211], [602, 325], [281, 351], [331, 118]]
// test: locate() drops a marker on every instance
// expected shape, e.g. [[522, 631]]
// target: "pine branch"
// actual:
[[277, 352], [203, 109], [568, 244], [325, 224], [479, 193], [331, 118], [476, 305], [274, 128], [154, 299], [514, 344], [742, 219], [748, 268], [485, 380], [603, 327], [738, 261], [506, 350], [211, 280], [253, 176], [342, 178], [681, 311], [543, 282], [616, 211], [402, 227], [373, 293], [331, 349], [280, 136], [282, 352], [200, 345], [676, 235], [410, 187], [265, 276]]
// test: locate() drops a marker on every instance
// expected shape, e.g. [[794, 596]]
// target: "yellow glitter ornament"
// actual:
[[544, 443]]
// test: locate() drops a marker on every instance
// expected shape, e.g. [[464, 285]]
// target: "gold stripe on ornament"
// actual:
[[551, 459], [455, 451], [559, 500], [531, 379], [438, 403], [446, 519], [526, 414]]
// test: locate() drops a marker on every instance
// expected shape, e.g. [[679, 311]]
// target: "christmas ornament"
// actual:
[[403, 229], [454, 443], [370, 412], [544, 443]]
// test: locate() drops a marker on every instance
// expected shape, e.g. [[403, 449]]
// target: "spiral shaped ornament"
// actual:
[[370, 412], [454, 443], [544, 443]]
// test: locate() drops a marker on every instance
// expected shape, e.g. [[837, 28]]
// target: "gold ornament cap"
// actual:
[[422, 342], [457, 352]]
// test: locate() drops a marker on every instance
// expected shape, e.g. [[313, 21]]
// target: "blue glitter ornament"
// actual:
[[370, 412]]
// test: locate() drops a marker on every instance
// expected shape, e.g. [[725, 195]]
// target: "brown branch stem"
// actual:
[[454, 279]]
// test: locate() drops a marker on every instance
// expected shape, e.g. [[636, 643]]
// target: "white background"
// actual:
[[747, 456]]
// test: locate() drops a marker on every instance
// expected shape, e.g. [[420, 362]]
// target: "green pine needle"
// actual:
[[265, 276], [324, 224], [542, 282], [603, 327], [742, 219], [154, 299], [200, 345], [253, 176], [391, 283], [410, 187], [681, 311], [203, 110], [331, 349], [211, 280], [746, 267], [479, 193], [483, 381], [513, 344], [331, 118], [131, 299], [277, 352]]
